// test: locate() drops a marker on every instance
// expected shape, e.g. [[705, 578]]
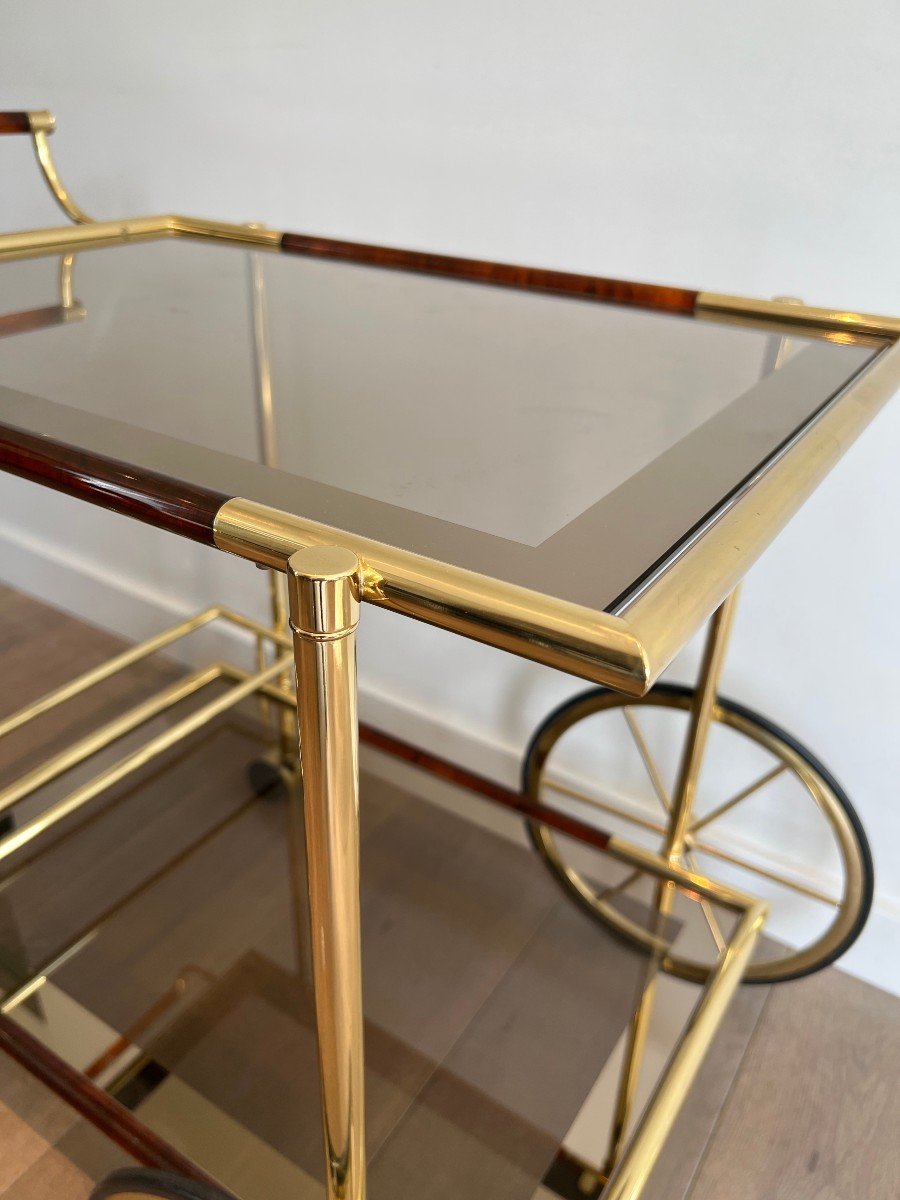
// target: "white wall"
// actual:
[[750, 149]]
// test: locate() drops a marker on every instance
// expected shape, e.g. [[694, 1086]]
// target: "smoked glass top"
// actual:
[[477, 424]]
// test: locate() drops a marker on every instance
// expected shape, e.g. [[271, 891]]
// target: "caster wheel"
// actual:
[[815, 870], [145, 1181], [270, 778]]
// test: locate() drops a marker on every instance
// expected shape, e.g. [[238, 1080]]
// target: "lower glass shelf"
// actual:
[[176, 979]]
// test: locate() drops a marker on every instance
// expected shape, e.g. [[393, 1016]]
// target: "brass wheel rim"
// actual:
[[848, 907]]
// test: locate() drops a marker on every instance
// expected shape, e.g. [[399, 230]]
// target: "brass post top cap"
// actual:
[[323, 563], [323, 582]]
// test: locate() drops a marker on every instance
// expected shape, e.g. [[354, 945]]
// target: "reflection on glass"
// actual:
[[67, 309], [501, 411], [171, 975]]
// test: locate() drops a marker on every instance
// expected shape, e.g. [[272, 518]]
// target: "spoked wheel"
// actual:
[[270, 777], [812, 862], [162, 1185]]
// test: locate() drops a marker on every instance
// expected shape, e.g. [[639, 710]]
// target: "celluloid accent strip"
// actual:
[[14, 122], [588, 287], [519, 802], [156, 499]]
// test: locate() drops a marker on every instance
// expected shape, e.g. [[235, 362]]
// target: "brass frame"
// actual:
[[331, 571]]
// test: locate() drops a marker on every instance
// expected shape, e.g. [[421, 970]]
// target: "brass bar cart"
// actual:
[[607, 583]]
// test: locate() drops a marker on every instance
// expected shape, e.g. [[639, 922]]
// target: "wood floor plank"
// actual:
[[32, 1118], [22, 1147], [490, 1120], [46, 1148], [695, 1126], [53, 1176], [815, 1111]]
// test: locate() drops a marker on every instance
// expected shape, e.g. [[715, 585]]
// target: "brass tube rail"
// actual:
[[135, 654], [53, 767], [77, 799], [36, 980], [105, 670], [242, 685]]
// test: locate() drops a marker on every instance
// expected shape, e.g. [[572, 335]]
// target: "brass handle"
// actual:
[[33, 121], [39, 123]]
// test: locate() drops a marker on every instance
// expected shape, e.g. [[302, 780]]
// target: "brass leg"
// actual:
[[634, 1166], [679, 823], [699, 721], [630, 1073], [284, 718], [268, 453], [324, 610], [698, 726]]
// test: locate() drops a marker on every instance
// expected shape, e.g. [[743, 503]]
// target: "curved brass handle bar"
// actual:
[[41, 124]]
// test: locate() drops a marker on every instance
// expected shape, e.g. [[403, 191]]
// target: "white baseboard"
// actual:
[[134, 611], [55, 575]]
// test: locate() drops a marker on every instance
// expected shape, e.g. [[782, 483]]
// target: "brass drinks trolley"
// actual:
[[614, 508]]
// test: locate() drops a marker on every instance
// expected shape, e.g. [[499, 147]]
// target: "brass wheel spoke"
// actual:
[[707, 909], [613, 810], [616, 889], [739, 798], [840, 889], [647, 759], [765, 873]]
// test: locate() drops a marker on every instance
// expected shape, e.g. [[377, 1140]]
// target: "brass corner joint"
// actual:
[[559, 634]]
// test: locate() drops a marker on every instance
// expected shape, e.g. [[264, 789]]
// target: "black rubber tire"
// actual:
[[865, 850], [148, 1181]]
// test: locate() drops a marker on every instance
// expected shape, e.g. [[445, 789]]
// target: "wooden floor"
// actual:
[[814, 1112], [47, 1152], [799, 1097]]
